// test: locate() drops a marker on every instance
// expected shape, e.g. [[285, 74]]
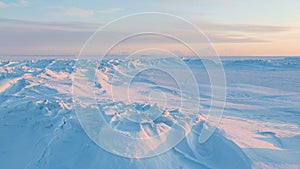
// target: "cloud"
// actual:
[[241, 28], [194, 37], [20, 3], [74, 12], [36, 37], [227, 38], [41, 42], [79, 12], [26, 25], [3, 5], [110, 10], [253, 28]]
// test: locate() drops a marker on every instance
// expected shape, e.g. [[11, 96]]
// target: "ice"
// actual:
[[39, 128]]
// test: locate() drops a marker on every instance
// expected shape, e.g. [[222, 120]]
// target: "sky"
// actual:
[[234, 28]]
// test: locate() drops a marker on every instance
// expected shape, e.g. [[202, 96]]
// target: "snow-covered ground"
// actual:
[[260, 127]]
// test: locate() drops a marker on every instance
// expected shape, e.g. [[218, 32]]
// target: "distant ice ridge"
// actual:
[[260, 127], [253, 62]]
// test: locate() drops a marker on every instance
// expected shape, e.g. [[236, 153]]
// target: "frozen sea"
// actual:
[[259, 128]]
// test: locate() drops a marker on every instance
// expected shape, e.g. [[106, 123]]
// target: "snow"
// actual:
[[39, 128]]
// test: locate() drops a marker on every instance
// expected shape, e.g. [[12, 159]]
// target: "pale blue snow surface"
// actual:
[[259, 129]]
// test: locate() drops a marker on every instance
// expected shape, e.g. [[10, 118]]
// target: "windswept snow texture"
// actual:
[[260, 127]]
